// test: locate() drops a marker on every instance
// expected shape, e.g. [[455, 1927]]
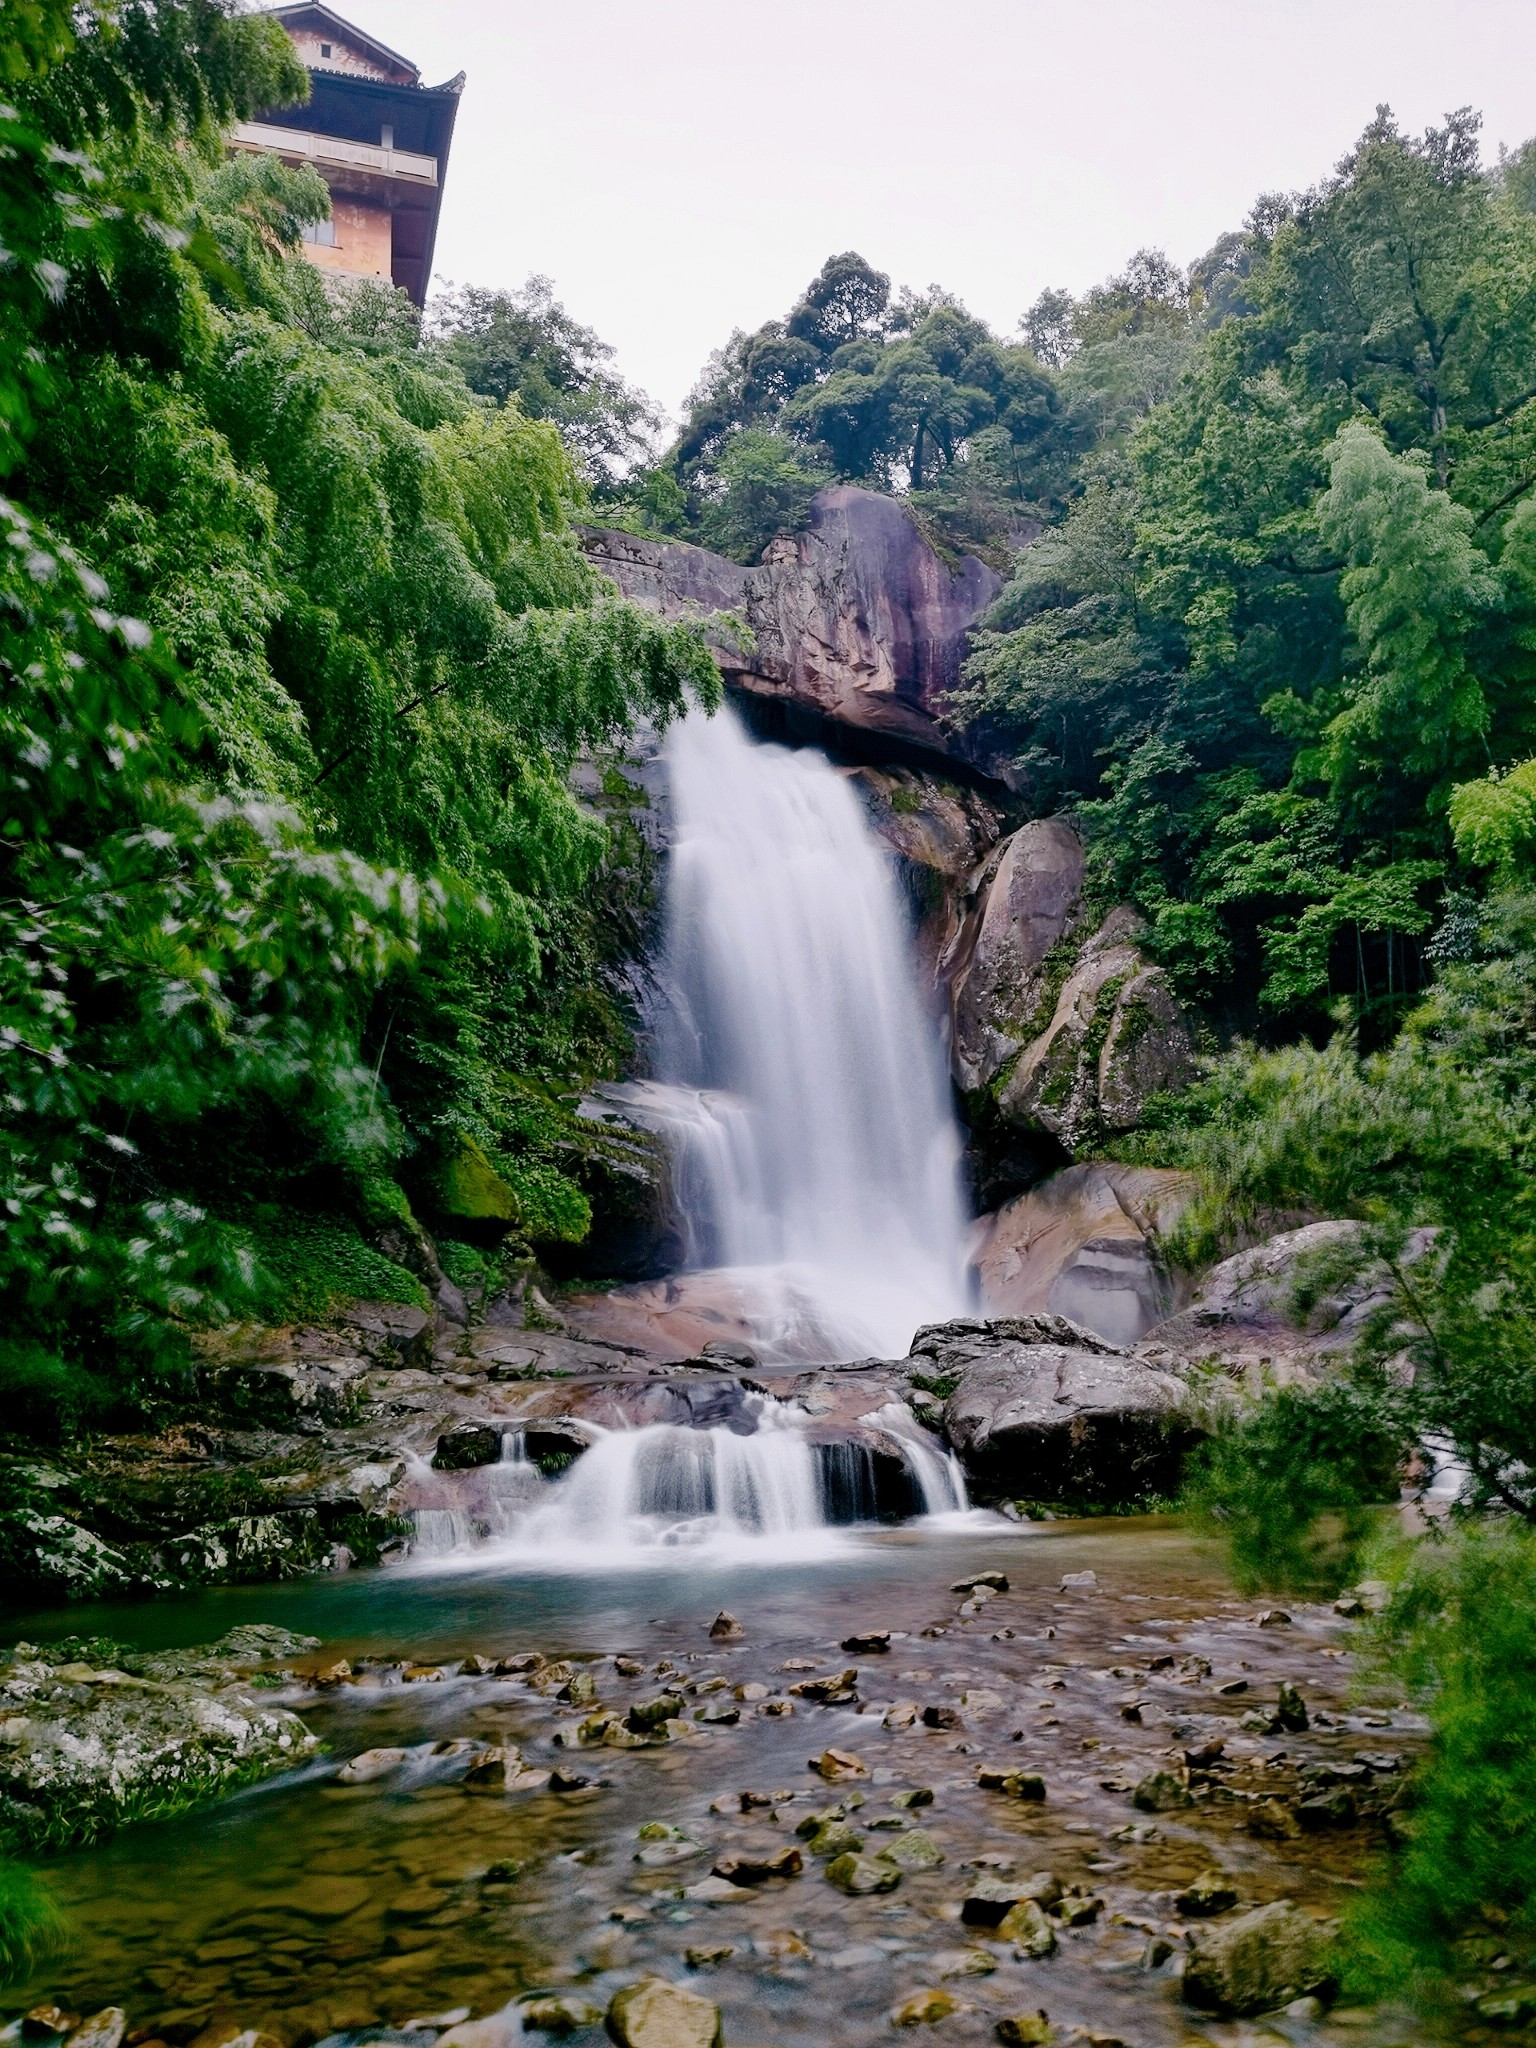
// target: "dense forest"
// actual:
[[299, 911], [305, 941]]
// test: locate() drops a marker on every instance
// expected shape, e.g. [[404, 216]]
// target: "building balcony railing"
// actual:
[[335, 149]]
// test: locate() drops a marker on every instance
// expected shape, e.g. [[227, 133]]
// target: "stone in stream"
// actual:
[[995, 1582], [82, 1754], [870, 1644], [629, 1667], [565, 2015], [920, 1795], [755, 1865], [1077, 1908], [1026, 1926], [1017, 1784], [861, 1875], [104, 2029], [836, 1838], [494, 1770], [837, 1764], [1291, 1711], [926, 2008], [561, 1780], [1206, 1897], [991, 1899], [725, 1628], [1257, 1961], [656, 2014], [1161, 1792], [833, 1690], [705, 1958], [916, 1850], [520, 1665], [719, 1891], [371, 1764], [48, 2022], [902, 1715], [1025, 2030], [646, 1715], [718, 1714], [942, 1717], [749, 1694]]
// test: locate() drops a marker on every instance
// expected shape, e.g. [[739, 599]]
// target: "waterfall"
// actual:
[[662, 1487], [817, 1149]]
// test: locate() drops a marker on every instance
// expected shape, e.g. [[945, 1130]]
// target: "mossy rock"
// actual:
[[473, 1190]]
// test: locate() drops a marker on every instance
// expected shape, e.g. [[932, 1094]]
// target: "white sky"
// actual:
[[682, 167]]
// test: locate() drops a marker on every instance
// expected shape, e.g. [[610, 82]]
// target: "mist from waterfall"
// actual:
[[818, 1154]]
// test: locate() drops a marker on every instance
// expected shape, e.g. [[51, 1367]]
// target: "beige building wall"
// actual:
[[363, 243]]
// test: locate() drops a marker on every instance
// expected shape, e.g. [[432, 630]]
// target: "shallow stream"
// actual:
[[307, 1906]]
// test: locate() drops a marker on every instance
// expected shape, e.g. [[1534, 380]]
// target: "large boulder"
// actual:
[[856, 620], [1116, 1035], [1041, 1409], [87, 1746], [1085, 1245], [1258, 1961], [1275, 1313], [1001, 971]]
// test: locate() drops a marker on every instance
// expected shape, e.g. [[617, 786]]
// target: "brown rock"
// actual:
[[756, 1865], [838, 1764]]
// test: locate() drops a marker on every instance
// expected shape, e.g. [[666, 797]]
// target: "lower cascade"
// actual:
[[763, 1488]]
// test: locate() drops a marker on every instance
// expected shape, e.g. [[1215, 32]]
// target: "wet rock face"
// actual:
[[1085, 1245], [638, 1231], [856, 619], [1043, 1410]]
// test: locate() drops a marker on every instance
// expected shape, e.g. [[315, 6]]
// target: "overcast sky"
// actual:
[[682, 167]]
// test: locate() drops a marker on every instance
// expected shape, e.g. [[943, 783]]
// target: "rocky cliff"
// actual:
[[856, 620]]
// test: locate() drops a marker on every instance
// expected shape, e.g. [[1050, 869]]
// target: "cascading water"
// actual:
[[816, 1157], [817, 1150]]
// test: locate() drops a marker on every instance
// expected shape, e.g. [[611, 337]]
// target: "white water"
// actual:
[[818, 1152], [816, 1156], [638, 1496]]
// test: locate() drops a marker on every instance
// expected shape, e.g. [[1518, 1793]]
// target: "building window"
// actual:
[[325, 49], [320, 234]]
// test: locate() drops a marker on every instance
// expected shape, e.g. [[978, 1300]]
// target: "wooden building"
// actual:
[[378, 137]]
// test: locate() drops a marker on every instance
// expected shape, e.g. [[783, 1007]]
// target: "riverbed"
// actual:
[[307, 1906]]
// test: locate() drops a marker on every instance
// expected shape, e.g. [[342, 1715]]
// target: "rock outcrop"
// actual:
[[93, 1736], [1041, 1409], [1060, 1029], [855, 620], [1273, 1315], [1085, 1245]]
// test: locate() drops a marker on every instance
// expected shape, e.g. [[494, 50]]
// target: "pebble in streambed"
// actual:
[[398, 1889]]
